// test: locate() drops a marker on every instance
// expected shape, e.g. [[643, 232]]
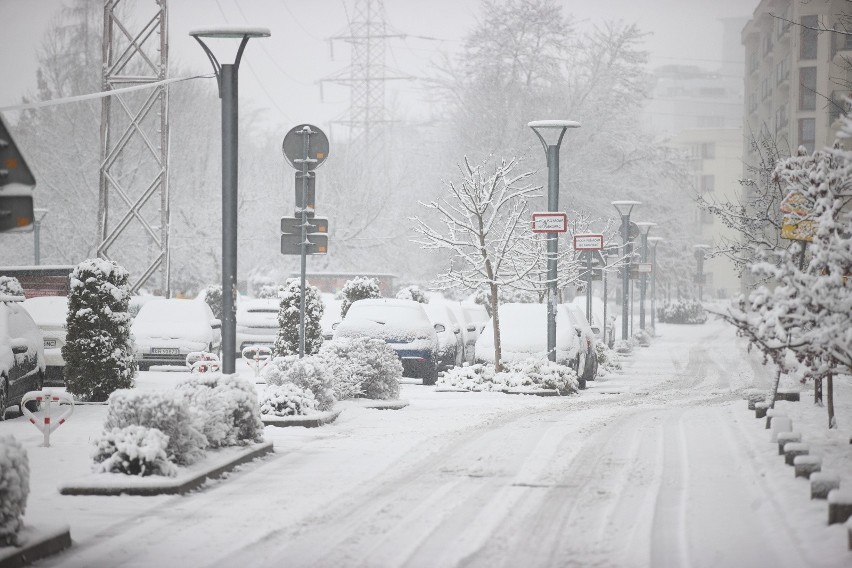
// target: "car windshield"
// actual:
[[398, 315], [172, 311]]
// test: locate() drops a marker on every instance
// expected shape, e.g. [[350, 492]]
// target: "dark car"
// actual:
[[449, 332], [403, 325], [22, 363]]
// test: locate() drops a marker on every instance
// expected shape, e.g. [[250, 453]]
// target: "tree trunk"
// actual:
[[832, 420], [775, 388], [495, 321], [818, 391]]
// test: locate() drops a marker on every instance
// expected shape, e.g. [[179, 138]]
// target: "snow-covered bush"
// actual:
[[213, 297], [413, 293], [287, 400], [308, 373], [607, 358], [478, 377], [9, 286], [133, 450], [14, 488], [260, 284], [225, 406], [643, 338], [359, 288], [267, 291], [289, 311], [682, 311], [98, 349], [506, 295], [164, 411], [362, 367], [536, 374], [622, 346]]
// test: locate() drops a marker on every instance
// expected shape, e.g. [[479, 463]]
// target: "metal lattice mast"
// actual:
[[367, 76], [133, 204]]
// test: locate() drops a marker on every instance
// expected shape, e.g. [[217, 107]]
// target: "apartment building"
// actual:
[[797, 72]]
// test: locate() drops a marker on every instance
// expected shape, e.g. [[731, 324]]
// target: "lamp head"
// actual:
[[550, 132], [625, 207], [645, 226]]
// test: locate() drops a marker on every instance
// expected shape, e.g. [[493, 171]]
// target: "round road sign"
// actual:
[[305, 147]]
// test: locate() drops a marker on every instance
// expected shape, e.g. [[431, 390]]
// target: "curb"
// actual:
[[38, 544], [395, 404], [307, 421], [169, 486], [542, 392]]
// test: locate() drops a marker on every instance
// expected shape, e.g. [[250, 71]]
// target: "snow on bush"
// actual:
[[537, 374], [412, 293], [359, 288], [9, 286], [133, 450], [289, 312], [226, 408], [307, 373], [607, 358], [213, 297], [623, 346], [267, 291], [682, 311], [14, 488], [98, 348], [287, 400], [478, 377], [164, 411], [362, 367]]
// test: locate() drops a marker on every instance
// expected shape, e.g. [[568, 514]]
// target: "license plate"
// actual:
[[48, 343], [165, 351]]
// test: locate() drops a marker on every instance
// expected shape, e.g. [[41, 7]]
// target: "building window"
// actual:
[[807, 88], [808, 48], [782, 70], [706, 218], [781, 118], [708, 150], [767, 44], [711, 121], [807, 133], [765, 88], [708, 183]]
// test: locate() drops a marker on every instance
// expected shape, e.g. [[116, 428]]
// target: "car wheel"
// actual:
[[4, 397], [431, 376], [582, 384], [34, 405], [144, 366]]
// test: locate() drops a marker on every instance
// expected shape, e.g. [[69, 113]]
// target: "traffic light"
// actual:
[[16, 185]]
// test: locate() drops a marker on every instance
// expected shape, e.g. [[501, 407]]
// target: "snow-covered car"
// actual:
[[257, 323], [50, 314], [21, 354], [604, 331], [403, 325], [471, 317], [523, 335], [587, 367], [449, 332], [166, 331], [331, 317]]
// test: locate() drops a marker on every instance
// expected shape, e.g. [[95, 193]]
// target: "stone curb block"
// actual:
[[793, 449], [393, 404], [760, 409], [35, 545], [307, 421], [786, 437], [822, 483], [169, 486], [839, 506], [804, 466]]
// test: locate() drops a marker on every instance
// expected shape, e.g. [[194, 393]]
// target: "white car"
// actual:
[[21, 354], [604, 331], [257, 323], [471, 317], [523, 335], [403, 325], [587, 368], [449, 332], [166, 331], [50, 313], [331, 317]]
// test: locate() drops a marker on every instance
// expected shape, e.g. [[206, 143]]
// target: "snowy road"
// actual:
[[648, 467]]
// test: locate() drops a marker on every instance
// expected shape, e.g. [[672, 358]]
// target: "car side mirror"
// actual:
[[579, 332], [216, 324], [20, 346], [440, 328], [471, 327], [335, 324]]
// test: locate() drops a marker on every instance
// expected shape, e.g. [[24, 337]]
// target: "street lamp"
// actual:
[[699, 275], [654, 242], [227, 77], [550, 133], [38, 215], [644, 228], [624, 209]]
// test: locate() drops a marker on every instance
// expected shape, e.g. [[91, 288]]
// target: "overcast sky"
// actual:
[[282, 73]]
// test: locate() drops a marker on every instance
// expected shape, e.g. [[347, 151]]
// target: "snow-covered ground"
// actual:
[[660, 464]]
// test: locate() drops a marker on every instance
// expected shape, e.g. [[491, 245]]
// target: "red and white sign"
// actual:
[[588, 242], [549, 222]]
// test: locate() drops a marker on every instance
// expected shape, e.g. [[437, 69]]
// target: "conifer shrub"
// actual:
[[413, 293], [14, 488], [133, 450], [10, 286], [98, 349], [164, 411], [289, 310], [359, 288], [362, 367], [225, 406], [213, 297]]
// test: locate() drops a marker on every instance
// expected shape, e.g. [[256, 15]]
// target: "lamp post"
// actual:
[[644, 228], [550, 133], [699, 275], [227, 77], [38, 215], [654, 242], [624, 209]]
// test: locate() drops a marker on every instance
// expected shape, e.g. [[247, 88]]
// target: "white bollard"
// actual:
[[46, 423], [257, 357]]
